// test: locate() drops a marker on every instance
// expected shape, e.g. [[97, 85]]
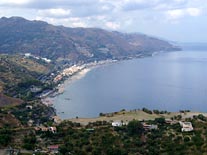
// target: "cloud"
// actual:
[[48, 4], [175, 14], [180, 13], [76, 22], [130, 5], [147, 16], [68, 22], [112, 25], [14, 2], [57, 13], [194, 11], [133, 5]]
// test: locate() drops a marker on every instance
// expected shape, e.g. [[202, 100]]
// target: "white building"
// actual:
[[117, 124], [150, 126], [53, 129], [186, 126]]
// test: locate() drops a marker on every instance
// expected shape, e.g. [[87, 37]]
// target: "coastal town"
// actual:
[[69, 74], [156, 100], [33, 126], [72, 70]]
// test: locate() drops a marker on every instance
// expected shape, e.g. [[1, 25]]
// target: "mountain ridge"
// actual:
[[19, 35]]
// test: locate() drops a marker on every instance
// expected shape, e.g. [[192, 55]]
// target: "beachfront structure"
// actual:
[[186, 126]]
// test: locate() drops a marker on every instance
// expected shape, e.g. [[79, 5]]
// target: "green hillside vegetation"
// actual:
[[15, 69], [101, 137], [18, 74], [27, 124]]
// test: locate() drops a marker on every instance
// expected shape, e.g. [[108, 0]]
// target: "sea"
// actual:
[[169, 81]]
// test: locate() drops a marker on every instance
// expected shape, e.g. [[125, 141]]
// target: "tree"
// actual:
[[201, 117], [29, 141], [5, 136], [160, 120], [135, 127], [147, 110], [63, 149]]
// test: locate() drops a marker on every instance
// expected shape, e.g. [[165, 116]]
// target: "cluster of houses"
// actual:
[[68, 72], [118, 124], [185, 126], [29, 55], [52, 129], [79, 67], [145, 126]]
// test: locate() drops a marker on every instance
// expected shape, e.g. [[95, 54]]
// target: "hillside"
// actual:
[[25, 45], [19, 75], [18, 35], [152, 136], [13, 67], [9, 101]]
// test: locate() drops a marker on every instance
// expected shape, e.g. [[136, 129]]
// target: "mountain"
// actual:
[[18, 35], [26, 46]]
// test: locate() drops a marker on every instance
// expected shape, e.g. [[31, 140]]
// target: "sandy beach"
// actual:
[[74, 76]]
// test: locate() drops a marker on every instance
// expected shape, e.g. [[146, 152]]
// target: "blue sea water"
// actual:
[[168, 81]]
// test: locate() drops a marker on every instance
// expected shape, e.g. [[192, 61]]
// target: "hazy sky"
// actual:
[[178, 20]]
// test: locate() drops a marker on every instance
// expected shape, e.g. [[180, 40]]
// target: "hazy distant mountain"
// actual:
[[18, 35]]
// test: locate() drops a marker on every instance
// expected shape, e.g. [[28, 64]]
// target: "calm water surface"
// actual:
[[168, 81]]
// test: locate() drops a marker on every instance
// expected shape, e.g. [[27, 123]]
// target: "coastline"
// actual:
[[70, 76]]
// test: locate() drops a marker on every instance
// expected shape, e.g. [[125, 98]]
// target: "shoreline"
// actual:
[[80, 72], [68, 78], [70, 74]]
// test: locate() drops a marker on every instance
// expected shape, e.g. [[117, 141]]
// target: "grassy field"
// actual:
[[127, 116]]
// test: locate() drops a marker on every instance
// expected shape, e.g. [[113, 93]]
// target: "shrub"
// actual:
[[147, 110], [135, 127]]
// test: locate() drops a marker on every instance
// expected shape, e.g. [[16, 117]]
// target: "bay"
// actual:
[[168, 81]]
